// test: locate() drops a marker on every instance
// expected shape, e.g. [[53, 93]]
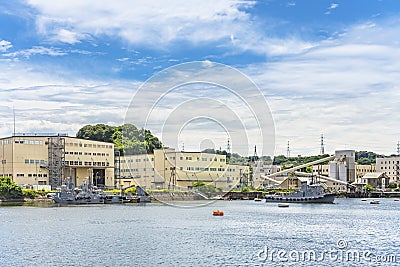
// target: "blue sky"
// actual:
[[328, 67]]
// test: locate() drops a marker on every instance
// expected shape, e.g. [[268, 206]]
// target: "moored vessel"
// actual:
[[313, 193]]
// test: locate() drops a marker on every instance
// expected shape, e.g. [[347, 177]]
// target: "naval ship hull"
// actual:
[[326, 198]]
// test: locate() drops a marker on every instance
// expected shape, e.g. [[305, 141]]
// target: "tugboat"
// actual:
[[313, 193]]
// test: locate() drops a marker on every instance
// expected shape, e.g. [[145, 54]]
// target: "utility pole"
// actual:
[[322, 145]]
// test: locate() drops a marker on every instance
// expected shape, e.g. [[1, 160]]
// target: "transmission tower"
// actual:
[[322, 145], [398, 163], [398, 148]]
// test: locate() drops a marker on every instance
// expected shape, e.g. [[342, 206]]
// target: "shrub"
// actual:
[[368, 187], [245, 189], [30, 193], [131, 190], [9, 189]]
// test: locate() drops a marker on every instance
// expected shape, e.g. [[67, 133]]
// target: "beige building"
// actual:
[[170, 169], [378, 180], [361, 170], [324, 170], [260, 170], [41, 160], [390, 167]]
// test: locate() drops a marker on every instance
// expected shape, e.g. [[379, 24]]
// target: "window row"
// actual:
[[35, 161], [389, 162], [32, 175], [29, 142], [136, 160], [198, 159], [86, 153], [89, 145], [137, 170], [88, 163], [203, 169]]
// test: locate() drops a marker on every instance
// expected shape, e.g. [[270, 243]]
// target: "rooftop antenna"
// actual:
[[288, 150], [14, 120], [228, 147], [322, 145]]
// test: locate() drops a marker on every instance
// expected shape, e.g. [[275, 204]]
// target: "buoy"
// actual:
[[283, 205], [218, 213]]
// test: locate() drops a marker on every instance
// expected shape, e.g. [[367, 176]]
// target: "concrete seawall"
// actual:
[[177, 196]]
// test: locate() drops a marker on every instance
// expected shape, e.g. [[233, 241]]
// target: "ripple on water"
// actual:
[[162, 235]]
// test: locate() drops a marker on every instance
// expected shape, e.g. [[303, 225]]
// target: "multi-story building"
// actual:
[[389, 166], [361, 170], [343, 168], [261, 169], [44, 160], [170, 169], [47, 161]]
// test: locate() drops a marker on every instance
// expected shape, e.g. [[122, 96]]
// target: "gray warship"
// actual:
[[313, 193], [88, 194], [77, 196]]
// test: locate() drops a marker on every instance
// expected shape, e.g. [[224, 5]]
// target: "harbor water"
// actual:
[[350, 232]]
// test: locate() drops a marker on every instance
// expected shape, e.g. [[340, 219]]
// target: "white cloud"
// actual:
[[47, 102], [162, 24], [333, 6], [67, 36], [346, 88], [36, 50], [4, 45]]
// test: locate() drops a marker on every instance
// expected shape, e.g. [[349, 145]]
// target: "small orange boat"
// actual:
[[218, 213]]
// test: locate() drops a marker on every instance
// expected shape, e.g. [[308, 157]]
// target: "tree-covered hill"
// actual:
[[127, 138], [366, 157]]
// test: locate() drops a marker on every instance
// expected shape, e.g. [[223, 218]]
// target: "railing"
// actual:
[[39, 134]]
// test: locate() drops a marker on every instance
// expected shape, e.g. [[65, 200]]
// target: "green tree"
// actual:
[[368, 188], [9, 189], [127, 138]]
